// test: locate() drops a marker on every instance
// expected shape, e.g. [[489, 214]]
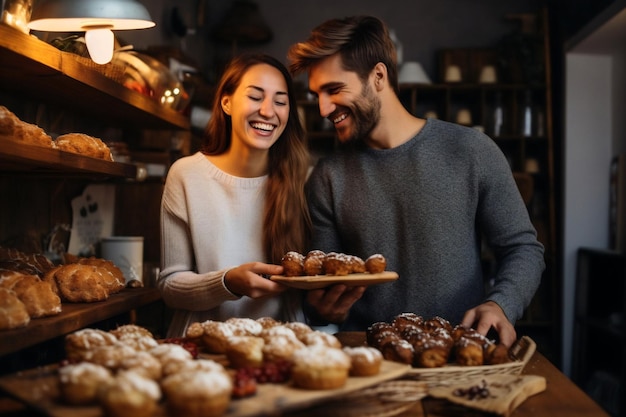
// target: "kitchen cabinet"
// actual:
[[39, 183], [599, 354], [516, 112]]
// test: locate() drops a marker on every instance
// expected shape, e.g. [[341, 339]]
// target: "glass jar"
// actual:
[[16, 13]]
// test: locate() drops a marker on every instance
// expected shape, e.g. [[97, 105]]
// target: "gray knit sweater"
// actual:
[[426, 206]]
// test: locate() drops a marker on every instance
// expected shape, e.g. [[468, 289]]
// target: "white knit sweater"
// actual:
[[210, 222]]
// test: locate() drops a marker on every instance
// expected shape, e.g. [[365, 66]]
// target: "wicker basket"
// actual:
[[110, 70], [521, 353], [386, 399]]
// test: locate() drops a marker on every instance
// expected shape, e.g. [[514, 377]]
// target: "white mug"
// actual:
[[126, 252]]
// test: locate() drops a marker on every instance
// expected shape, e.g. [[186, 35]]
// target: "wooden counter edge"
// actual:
[[75, 316]]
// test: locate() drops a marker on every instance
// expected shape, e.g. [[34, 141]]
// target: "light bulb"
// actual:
[[100, 44]]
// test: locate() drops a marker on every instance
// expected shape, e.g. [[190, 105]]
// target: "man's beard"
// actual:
[[365, 114]]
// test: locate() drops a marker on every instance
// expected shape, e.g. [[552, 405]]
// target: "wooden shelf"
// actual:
[[75, 317], [31, 67], [17, 157]]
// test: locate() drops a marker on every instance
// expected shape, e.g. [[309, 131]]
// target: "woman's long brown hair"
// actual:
[[287, 225]]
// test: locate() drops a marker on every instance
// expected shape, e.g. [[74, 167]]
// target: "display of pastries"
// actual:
[[316, 262], [18, 130], [433, 343], [15, 129], [42, 287], [126, 379]]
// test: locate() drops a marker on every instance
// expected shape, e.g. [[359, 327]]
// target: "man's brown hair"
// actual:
[[361, 41]]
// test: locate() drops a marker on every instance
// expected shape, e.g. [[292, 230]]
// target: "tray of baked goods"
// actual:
[[33, 287], [76, 152], [441, 354], [238, 367], [318, 269]]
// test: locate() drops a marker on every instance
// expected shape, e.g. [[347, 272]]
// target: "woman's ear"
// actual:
[[225, 101]]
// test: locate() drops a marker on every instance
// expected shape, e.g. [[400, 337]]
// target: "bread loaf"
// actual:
[[17, 130], [83, 144], [76, 283], [13, 259], [37, 295], [13, 312]]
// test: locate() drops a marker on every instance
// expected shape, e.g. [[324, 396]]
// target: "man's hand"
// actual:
[[333, 303], [488, 315]]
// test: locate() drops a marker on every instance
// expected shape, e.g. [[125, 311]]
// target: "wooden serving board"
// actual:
[[312, 282], [39, 388]]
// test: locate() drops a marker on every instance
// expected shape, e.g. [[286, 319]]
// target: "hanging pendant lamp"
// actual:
[[97, 18]]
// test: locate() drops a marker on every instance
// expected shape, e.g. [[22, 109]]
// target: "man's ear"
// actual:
[[379, 74], [225, 102]]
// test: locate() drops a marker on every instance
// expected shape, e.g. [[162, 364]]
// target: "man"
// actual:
[[424, 193]]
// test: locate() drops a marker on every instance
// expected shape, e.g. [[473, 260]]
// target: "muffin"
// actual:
[[215, 336], [245, 351], [171, 356], [319, 367], [111, 356], [143, 363], [130, 394], [80, 344], [126, 330], [79, 383], [198, 393], [364, 360], [242, 326], [318, 337]]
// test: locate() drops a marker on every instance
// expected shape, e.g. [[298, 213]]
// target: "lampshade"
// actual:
[[79, 15], [96, 17], [413, 72]]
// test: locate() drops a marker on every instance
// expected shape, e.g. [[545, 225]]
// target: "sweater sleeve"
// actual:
[[509, 232], [180, 285]]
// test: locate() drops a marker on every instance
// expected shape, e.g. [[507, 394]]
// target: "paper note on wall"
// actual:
[[92, 218]]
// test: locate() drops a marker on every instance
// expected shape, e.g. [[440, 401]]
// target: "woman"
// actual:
[[230, 211]]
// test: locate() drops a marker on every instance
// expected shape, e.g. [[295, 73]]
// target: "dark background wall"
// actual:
[[423, 27]]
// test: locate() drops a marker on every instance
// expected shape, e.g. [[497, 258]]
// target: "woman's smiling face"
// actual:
[[259, 107]]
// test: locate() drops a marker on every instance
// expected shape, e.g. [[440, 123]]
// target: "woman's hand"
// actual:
[[488, 315], [249, 280]]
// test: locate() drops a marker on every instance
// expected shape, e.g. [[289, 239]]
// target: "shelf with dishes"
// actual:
[[33, 68]]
